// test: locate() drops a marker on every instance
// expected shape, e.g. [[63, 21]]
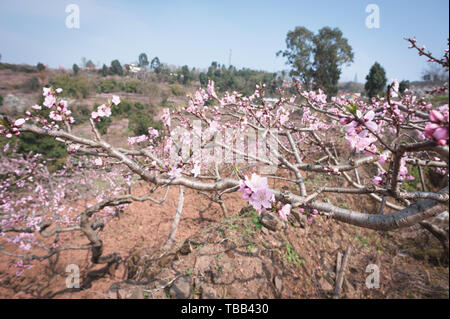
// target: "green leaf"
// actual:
[[4, 123], [352, 108]]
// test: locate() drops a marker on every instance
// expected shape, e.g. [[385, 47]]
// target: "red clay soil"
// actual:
[[140, 225], [233, 258]]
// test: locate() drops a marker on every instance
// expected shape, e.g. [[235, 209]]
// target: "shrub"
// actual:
[[139, 106], [32, 84], [53, 151], [124, 107], [75, 86], [132, 86], [140, 121], [165, 103], [109, 86], [177, 90], [18, 67], [81, 113], [103, 125], [75, 69], [150, 89]]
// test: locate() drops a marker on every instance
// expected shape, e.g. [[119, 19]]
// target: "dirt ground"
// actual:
[[236, 257]]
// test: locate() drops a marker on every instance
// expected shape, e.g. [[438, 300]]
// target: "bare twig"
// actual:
[[177, 217], [341, 273]]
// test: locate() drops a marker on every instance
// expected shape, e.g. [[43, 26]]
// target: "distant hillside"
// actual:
[[351, 87]]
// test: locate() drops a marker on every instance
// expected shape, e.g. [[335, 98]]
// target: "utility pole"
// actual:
[[229, 59]]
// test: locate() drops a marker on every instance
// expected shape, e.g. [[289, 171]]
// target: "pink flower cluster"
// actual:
[[175, 171], [437, 128], [73, 148], [153, 133], [358, 136], [379, 178], [283, 210], [61, 113], [165, 118], [256, 191], [282, 115], [137, 139], [211, 90], [19, 122], [105, 110], [50, 99], [309, 213], [320, 97], [102, 111]]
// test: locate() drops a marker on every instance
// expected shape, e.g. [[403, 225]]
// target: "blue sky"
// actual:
[[199, 32]]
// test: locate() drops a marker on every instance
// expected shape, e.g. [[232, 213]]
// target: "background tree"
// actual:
[[203, 78], [186, 74], [156, 65], [127, 68], [105, 70], [242, 80], [317, 58], [143, 60], [40, 67], [75, 69], [403, 86], [299, 49], [375, 81], [331, 51], [116, 67], [90, 65]]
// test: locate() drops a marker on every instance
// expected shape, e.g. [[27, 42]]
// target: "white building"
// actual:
[[134, 68]]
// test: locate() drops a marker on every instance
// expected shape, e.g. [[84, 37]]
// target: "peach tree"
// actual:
[[231, 143]]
